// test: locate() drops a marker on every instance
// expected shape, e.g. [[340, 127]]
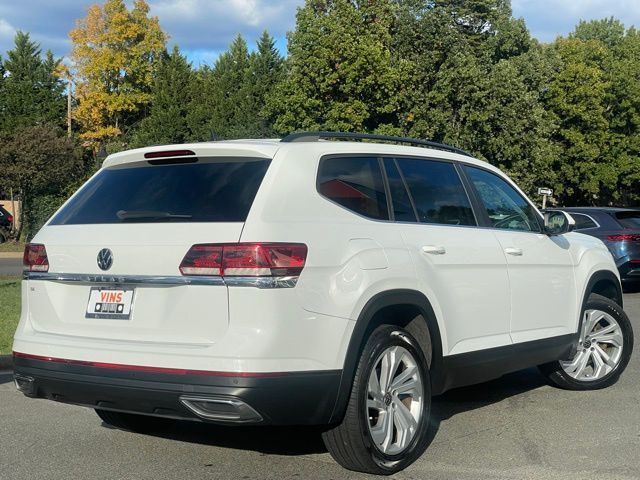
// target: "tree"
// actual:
[[229, 99], [115, 54], [35, 161], [577, 96], [30, 91], [266, 70], [171, 97], [341, 73], [219, 109]]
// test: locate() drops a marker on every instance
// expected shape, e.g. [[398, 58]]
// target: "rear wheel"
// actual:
[[133, 422], [385, 426], [603, 349]]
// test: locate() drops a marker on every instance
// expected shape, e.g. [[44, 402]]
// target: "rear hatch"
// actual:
[[118, 243]]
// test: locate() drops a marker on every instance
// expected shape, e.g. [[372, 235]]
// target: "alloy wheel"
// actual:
[[599, 348], [395, 398]]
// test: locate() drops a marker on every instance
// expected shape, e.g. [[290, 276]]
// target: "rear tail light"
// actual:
[[626, 237], [10, 218], [35, 258], [635, 261], [245, 260]]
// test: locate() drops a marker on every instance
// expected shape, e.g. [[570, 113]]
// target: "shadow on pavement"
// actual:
[[631, 288], [6, 377], [293, 441], [470, 398]]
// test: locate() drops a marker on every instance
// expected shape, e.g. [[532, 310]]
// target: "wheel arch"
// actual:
[[377, 312], [605, 283]]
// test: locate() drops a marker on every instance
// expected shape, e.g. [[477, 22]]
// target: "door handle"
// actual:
[[516, 252], [434, 249]]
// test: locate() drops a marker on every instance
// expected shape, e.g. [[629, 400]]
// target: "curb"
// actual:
[[6, 362], [10, 255]]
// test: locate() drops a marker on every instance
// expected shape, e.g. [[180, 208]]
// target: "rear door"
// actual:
[[459, 265], [541, 272], [146, 215]]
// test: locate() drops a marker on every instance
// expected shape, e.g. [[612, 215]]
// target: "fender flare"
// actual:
[[365, 324], [598, 276]]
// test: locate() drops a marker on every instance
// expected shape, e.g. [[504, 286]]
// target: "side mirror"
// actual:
[[557, 222]]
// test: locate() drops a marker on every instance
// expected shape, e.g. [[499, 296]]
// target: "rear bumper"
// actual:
[[629, 271], [295, 398]]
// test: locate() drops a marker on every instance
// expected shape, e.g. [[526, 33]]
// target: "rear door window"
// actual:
[[356, 184], [437, 191], [629, 219], [220, 190], [401, 202], [583, 221]]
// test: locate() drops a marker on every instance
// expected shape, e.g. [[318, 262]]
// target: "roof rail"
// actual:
[[315, 136]]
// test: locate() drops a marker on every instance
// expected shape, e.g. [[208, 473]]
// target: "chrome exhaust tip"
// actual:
[[221, 409]]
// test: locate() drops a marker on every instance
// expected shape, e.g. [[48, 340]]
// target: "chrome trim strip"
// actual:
[[170, 280]]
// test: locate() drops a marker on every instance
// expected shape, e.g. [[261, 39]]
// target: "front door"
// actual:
[[541, 276]]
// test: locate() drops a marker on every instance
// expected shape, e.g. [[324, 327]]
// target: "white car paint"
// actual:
[[482, 295]]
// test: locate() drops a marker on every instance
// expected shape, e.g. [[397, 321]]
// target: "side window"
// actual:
[[355, 183], [437, 192], [583, 221], [402, 208], [507, 209]]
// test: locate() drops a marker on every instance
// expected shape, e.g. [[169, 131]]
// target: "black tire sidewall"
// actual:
[[381, 339]]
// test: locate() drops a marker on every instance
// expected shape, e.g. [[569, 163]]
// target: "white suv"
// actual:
[[309, 282]]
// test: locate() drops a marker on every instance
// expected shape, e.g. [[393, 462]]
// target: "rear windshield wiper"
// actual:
[[148, 215]]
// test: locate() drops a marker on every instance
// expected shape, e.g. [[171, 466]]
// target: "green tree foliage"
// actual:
[[30, 91], [171, 93], [229, 99], [341, 73], [36, 161]]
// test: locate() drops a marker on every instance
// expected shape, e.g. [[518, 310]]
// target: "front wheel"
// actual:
[[603, 349], [385, 425]]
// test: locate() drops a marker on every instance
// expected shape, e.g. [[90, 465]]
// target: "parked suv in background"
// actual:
[[6, 219], [309, 282], [619, 229]]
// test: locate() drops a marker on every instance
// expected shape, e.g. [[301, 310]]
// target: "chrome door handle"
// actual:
[[516, 252], [434, 250]]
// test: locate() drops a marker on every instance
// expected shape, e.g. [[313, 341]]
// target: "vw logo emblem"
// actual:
[[105, 259]]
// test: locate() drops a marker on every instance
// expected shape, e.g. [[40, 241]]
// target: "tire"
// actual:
[[132, 422], [585, 371], [352, 443]]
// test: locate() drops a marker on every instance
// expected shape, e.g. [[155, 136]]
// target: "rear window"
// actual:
[[629, 219], [207, 191]]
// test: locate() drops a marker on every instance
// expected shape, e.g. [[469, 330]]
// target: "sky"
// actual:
[[204, 28]]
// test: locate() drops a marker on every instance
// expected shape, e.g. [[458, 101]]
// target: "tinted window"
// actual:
[[583, 221], [220, 191], [507, 209], [629, 219], [437, 192], [402, 208], [355, 183]]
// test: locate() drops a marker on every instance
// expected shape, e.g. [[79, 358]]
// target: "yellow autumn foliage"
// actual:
[[115, 53]]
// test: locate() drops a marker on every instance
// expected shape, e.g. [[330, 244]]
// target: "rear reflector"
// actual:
[[35, 258], [169, 153], [245, 259], [624, 238]]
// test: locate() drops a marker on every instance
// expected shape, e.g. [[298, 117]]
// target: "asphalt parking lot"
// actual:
[[516, 427]]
